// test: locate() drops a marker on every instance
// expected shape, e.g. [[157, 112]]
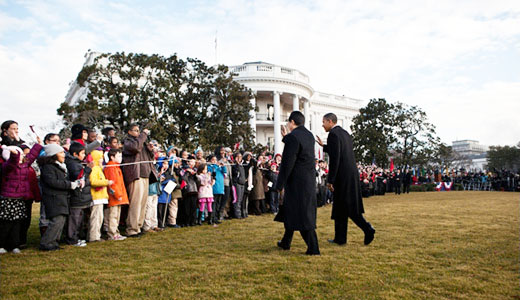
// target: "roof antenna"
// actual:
[[216, 61]]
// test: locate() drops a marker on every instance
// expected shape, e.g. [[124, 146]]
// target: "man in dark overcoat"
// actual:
[[298, 177], [343, 181]]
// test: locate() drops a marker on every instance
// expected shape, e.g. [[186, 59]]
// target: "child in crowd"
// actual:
[[117, 196], [218, 171], [164, 199], [154, 189], [81, 198], [272, 176], [176, 196], [15, 188], [205, 194], [55, 194], [190, 192], [99, 193]]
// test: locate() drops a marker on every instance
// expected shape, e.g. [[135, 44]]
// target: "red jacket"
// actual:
[[15, 176], [117, 190]]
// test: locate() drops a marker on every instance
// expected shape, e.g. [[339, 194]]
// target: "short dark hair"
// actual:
[[48, 137], [297, 117], [331, 117], [76, 148], [131, 126], [106, 130], [112, 152]]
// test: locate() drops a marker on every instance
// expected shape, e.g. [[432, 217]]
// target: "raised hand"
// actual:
[[319, 141], [284, 130]]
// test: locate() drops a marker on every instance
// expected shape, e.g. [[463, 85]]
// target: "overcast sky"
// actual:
[[457, 60]]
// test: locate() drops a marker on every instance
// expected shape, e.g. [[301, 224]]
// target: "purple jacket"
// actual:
[[15, 177]]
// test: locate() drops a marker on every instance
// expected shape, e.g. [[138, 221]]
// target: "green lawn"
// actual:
[[435, 245]]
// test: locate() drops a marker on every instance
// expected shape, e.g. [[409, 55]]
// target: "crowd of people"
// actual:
[[96, 187], [378, 181]]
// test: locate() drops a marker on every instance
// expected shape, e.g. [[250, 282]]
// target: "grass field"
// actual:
[[436, 245]]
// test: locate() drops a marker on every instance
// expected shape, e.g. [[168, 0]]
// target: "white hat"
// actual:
[[52, 149], [6, 151]]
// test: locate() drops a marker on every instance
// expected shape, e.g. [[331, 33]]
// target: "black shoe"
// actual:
[[133, 235], [369, 236], [312, 253], [284, 247], [334, 242]]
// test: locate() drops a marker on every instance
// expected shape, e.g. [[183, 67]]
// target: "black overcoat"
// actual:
[[55, 190], [298, 177], [343, 174]]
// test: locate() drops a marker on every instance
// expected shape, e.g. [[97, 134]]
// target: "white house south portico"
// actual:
[[279, 91]]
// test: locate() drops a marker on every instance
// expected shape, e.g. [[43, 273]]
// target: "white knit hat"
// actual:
[[6, 151], [52, 149]]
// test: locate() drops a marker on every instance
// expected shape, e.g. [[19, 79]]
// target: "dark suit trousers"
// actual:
[[309, 236], [341, 226]]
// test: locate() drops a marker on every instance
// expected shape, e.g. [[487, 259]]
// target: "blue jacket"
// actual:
[[163, 196], [218, 187]]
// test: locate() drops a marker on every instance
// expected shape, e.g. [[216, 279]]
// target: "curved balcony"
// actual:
[[262, 69]]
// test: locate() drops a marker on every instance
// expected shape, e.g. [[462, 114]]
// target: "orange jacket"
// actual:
[[117, 190]]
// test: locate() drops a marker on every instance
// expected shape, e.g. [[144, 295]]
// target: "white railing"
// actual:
[[265, 69]]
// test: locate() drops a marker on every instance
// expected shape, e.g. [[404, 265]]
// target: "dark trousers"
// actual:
[[222, 209], [161, 214], [217, 200], [52, 235], [341, 226], [10, 234], [26, 223], [245, 204], [273, 201], [75, 224], [237, 206], [309, 236], [192, 204], [406, 188], [257, 210], [397, 188]]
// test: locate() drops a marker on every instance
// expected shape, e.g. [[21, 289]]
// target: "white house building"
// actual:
[[280, 90], [277, 92]]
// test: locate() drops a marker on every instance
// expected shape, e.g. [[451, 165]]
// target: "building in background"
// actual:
[[473, 155], [277, 92]]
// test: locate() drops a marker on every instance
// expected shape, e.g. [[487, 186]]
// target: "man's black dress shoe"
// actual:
[[369, 236], [284, 247], [334, 242]]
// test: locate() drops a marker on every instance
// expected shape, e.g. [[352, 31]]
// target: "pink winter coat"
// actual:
[[206, 185], [15, 176]]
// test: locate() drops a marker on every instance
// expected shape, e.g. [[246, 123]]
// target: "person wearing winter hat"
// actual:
[[55, 194], [15, 188], [99, 191], [80, 135]]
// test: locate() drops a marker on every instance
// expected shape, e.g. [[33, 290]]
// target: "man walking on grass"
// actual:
[[298, 177], [343, 181]]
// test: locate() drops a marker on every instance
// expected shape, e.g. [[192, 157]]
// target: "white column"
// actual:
[[306, 113], [277, 130], [295, 103], [252, 116]]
